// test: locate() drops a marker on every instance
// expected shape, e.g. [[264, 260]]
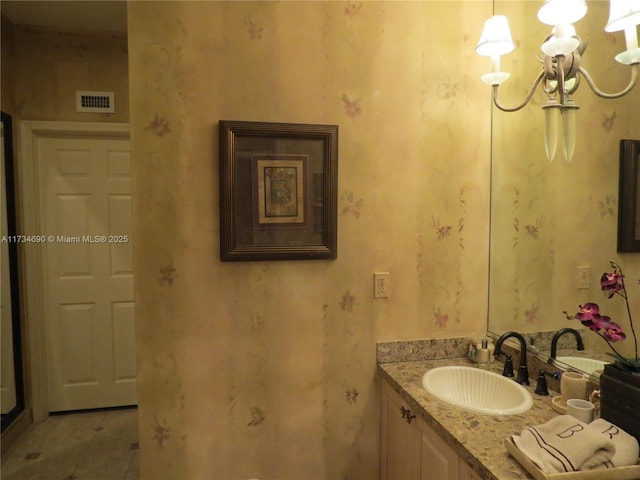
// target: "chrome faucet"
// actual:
[[523, 372], [556, 337]]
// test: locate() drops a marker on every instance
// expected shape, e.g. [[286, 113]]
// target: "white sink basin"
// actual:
[[477, 390], [586, 365]]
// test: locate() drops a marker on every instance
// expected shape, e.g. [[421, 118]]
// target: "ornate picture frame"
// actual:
[[278, 191], [629, 197]]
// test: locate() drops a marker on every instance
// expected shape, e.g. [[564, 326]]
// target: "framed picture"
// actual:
[[629, 196], [278, 191]]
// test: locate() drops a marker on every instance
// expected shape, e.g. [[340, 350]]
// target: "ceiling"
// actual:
[[77, 15]]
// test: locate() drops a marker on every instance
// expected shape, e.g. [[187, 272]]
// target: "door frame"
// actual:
[[32, 253]]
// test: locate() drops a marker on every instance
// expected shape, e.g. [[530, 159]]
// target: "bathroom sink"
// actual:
[[477, 390], [587, 365]]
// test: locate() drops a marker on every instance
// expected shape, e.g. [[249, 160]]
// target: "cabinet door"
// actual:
[[400, 438], [438, 461], [466, 472]]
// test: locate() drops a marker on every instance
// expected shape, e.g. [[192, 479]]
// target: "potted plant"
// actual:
[[620, 381]]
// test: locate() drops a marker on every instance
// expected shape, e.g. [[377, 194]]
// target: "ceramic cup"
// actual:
[[580, 409], [573, 385]]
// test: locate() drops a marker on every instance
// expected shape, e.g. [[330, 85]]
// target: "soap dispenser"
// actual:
[[484, 354]]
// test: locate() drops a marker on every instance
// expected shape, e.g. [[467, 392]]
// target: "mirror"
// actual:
[[554, 224], [11, 388]]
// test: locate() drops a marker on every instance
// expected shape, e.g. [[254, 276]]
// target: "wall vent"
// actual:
[[100, 102]]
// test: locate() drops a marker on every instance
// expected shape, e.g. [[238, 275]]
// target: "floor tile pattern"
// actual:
[[95, 445]]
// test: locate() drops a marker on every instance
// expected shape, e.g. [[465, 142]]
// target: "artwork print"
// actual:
[[281, 189]]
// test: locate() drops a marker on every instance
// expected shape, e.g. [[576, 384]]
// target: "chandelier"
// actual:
[[561, 70]]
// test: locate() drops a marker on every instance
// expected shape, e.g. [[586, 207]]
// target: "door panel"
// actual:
[[124, 341], [438, 461], [121, 251], [85, 200]]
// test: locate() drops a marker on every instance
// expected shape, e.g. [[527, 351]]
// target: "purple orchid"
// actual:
[[588, 312], [589, 315], [612, 283], [613, 332]]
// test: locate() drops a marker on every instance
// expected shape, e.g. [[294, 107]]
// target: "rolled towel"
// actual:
[[627, 449], [564, 444]]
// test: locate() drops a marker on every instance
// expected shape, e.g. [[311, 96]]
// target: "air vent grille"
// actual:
[[100, 102]]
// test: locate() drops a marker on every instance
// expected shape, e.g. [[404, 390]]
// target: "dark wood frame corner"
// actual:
[[629, 196]]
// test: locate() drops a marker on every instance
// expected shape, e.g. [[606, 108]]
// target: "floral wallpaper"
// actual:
[[267, 369]]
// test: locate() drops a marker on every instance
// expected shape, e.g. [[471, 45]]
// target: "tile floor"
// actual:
[[96, 445]]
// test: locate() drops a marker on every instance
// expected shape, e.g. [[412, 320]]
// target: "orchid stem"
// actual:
[[626, 301]]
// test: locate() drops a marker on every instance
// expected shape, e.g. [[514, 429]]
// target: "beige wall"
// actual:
[[43, 68], [7, 95], [267, 369]]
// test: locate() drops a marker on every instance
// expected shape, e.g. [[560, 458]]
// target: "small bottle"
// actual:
[[492, 349], [484, 355], [473, 351]]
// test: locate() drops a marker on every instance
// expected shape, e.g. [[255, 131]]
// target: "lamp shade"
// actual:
[[623, 14], [562, 12], [495, 38], [563, 41]]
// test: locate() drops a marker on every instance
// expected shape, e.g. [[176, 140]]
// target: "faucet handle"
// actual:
[[507, 371], [523, 374], [541, 387]]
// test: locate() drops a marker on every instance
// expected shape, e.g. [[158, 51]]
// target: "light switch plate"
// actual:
[[381, 285], [584, 277]]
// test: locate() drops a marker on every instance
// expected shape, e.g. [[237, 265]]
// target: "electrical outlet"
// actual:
[[584, 277], [381, 285]]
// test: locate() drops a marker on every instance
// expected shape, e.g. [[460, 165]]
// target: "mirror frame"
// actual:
[[9, 417]]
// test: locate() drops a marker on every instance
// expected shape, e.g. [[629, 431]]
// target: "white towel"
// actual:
[[564, 444], [627, 449]]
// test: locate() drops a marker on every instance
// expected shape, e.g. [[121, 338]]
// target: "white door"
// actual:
[[85, 212], [7, 378]]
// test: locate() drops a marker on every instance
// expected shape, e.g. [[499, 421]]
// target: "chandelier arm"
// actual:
[[597, 91], [532, 89]]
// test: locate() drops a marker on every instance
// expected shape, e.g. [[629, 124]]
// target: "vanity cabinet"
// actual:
[[411, 449], [400, 438], [466, 472]]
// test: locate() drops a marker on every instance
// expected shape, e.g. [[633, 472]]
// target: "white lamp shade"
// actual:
[[495, 38], [560, 46], [623, 14], [562, 41], [560, 12], [495, 78]]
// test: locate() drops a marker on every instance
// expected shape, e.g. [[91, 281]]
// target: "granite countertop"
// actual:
[[477, 438]]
